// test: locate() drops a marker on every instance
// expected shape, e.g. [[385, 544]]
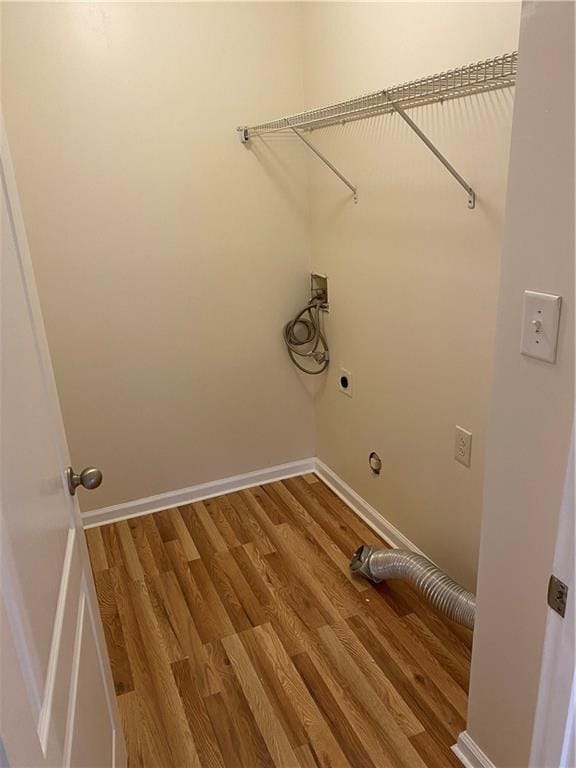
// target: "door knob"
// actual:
[[89, 478]]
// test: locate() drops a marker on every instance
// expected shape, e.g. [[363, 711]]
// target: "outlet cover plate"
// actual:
[[557, 595], [463, 446], [540, 320]]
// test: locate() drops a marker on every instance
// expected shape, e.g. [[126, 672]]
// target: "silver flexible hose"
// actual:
[[304, 338], [438, 588]]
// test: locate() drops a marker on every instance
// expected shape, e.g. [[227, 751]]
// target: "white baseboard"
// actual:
[[357, 504], [470, 754], [371, 516], [196, 493]]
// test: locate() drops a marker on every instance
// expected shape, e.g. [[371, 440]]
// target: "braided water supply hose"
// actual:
[[432, 583], [304, 338]]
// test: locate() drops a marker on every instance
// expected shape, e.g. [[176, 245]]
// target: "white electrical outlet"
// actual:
[[345, 382], [463, 446]]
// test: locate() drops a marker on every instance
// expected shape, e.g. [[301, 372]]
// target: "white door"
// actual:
[[56, 694]]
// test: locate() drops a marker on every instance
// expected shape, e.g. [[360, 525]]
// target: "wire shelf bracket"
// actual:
[[328, 163], [481, 77], [243, 134], [436, 152]]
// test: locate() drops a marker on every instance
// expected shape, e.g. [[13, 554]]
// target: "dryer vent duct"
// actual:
[[432, 583]]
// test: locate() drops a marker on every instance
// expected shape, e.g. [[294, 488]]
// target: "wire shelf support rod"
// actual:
[[436, 152], [328, 163]]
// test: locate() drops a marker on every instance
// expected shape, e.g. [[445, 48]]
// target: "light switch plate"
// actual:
[[540, 319]]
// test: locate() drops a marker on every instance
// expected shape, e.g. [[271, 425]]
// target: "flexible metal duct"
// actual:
[[444, 593]]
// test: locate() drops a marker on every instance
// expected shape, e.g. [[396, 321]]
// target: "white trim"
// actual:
[[470, 754], [196, 493], [371, 516], [74, 678], [20, 629], [357, 504], [46, 711]]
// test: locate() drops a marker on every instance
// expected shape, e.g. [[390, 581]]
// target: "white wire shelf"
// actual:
[[481, 77], [488, 75]]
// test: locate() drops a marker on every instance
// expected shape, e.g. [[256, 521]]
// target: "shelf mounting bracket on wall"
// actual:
[[435, 151], [244, 137]]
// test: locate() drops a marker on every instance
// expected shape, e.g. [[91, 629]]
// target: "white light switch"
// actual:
[[540, 320]]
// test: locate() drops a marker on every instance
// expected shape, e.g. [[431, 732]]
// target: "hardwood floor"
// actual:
[[238, 639]]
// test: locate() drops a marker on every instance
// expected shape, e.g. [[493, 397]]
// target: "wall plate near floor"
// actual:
[[463, 446], [345, 382]]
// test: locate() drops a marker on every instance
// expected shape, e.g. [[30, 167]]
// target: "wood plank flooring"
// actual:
[[238, 639]]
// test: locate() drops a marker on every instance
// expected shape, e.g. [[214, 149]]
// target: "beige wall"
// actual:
[[533, 405], [167, 256], [413, 273]]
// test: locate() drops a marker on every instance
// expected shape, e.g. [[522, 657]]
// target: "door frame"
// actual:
[[554, 735]]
